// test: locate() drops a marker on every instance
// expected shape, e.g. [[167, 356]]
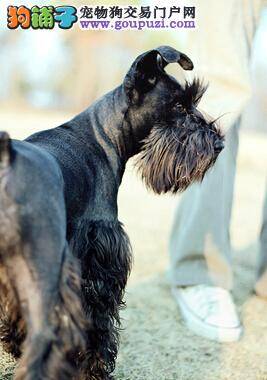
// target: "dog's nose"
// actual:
[[218, 146]]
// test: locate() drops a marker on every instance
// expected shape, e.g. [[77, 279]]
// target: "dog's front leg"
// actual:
[[105, 256]]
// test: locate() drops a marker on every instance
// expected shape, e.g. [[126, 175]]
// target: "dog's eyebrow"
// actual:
[[193, 92]]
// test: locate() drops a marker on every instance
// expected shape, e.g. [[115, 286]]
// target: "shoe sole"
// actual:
[[201, 328]]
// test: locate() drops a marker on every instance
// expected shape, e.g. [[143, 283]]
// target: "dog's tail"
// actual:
[[8, 209], [5, 151]]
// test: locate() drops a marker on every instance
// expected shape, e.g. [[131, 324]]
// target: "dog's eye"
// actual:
[[152, 80], [178, 107]]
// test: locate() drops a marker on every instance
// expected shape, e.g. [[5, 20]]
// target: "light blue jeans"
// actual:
[[200, 250]]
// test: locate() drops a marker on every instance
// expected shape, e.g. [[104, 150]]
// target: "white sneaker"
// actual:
[[209, 311]]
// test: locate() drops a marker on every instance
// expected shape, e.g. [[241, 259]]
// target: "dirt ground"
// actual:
[[155, 345]]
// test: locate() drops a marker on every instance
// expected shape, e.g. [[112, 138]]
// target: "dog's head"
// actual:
[[179, 143]]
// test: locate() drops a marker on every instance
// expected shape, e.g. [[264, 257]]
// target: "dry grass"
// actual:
[[155, 344]]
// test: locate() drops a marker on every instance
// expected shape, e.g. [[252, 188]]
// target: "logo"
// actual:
[[101, 17], [46, 17]]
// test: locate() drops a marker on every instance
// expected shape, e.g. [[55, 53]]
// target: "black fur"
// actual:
[[193, 93], [64, 255], [104, 249]]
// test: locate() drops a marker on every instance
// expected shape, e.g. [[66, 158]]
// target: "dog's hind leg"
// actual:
[[52, 311], [105, 255], [40, 269], [12, 325], [51, 307]]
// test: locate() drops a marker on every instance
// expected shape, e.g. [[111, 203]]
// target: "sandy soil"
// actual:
[[155, 345]]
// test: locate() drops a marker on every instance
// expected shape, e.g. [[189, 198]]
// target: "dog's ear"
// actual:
[[142, 75], [170, 55], [147, 67]]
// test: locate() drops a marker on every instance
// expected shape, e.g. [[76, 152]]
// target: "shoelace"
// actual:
[[208, 301]]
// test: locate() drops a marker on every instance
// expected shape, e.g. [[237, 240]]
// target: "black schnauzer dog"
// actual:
[[64, 256]]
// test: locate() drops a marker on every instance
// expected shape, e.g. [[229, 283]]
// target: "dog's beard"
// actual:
[[172, 158]]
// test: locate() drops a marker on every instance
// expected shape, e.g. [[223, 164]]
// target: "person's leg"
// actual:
[[261, 284], [199, 243], [200, 246], [200, 251]]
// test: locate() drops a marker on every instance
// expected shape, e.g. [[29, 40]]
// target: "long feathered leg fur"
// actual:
[[105, 255]]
